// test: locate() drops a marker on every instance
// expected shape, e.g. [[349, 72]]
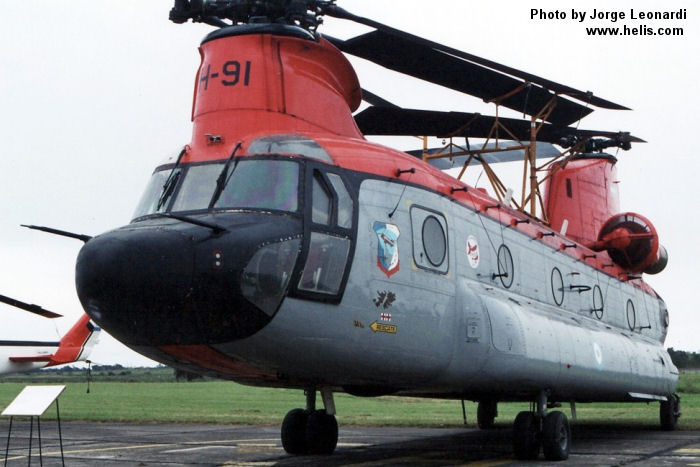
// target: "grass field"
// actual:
[[163, 400]]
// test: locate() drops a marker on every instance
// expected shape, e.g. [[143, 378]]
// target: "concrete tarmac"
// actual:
[[127, 444]]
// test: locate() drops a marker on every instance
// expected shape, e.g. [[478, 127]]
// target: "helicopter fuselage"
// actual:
[[323, 260]]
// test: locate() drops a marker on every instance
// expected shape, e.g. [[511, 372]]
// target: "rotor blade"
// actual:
[[450, 71], [374, 99], [36, 309], [62, 233], [443, 50], [389, 121], [542, 150]]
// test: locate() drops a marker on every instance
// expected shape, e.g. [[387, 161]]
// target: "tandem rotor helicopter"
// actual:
[[283, 249]]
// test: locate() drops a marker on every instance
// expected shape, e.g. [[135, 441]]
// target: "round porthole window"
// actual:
[[631, 315], [597, 302], [505, 266], [434, 242], [557, 287]]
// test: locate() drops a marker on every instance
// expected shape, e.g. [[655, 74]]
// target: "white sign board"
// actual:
[[33, 401]]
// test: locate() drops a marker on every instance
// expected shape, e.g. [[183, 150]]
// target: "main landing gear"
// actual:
[[535, 429], [670, 412], [311, 431], [486, 413]]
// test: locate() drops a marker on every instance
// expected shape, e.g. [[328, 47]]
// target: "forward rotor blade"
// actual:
[[389, 121], [36, 309], [375, 100], [440, 64]]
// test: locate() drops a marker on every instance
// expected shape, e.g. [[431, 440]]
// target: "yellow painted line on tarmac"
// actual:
[[490, 463], [688, 451], [114, 448]]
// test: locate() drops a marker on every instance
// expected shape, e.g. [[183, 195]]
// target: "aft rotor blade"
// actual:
[[390, 121], [543, 151], [36, 309]]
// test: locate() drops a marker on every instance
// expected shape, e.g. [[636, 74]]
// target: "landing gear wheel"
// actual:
[[670, 412], [556, 436], [321, 433], [526, 439], [294, 431], [486, 412]]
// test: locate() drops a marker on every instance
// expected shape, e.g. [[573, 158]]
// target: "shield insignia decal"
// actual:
[[388, 247]]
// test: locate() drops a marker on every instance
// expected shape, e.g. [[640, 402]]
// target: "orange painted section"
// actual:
[[250, 86], [207, 357], [73, 342], [584, 193]]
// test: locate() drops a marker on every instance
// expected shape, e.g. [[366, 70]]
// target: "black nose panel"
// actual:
[[142, 286]]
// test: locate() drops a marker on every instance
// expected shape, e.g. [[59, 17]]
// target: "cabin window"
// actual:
[[631, 315], [434, 241], [429, 230], [598, 304], [506, 271], [557, 287]]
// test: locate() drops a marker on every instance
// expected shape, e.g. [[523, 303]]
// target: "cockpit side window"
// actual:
[[321, 201], [330, 240]]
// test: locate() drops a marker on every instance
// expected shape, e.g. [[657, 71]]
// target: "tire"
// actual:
[[486, 412], [294, 432], [670, 412], [526, 439], [556, 436], [321, 433]]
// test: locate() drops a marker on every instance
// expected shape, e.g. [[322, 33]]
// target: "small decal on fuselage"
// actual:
[[598, 355], [473, 251], [387, 247], [379, 327], [385, 298]]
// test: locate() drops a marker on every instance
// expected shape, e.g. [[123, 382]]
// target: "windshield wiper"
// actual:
[[171, 182], [216, 228], [222, 180]]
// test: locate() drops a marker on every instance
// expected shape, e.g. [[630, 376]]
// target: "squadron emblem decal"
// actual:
[[473, 251], [388, 247]]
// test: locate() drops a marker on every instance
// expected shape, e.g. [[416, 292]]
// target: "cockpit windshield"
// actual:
[[266, 184]]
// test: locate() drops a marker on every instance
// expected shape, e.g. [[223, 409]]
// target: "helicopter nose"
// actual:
[[146, 287], [126, 278]]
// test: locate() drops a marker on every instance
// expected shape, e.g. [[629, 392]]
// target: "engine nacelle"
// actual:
[[632, 242]]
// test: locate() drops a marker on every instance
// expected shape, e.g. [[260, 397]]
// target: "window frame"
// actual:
[[321, 170], [419, 215]]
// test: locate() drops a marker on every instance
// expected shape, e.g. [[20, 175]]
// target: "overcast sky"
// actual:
[[95, 93]]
